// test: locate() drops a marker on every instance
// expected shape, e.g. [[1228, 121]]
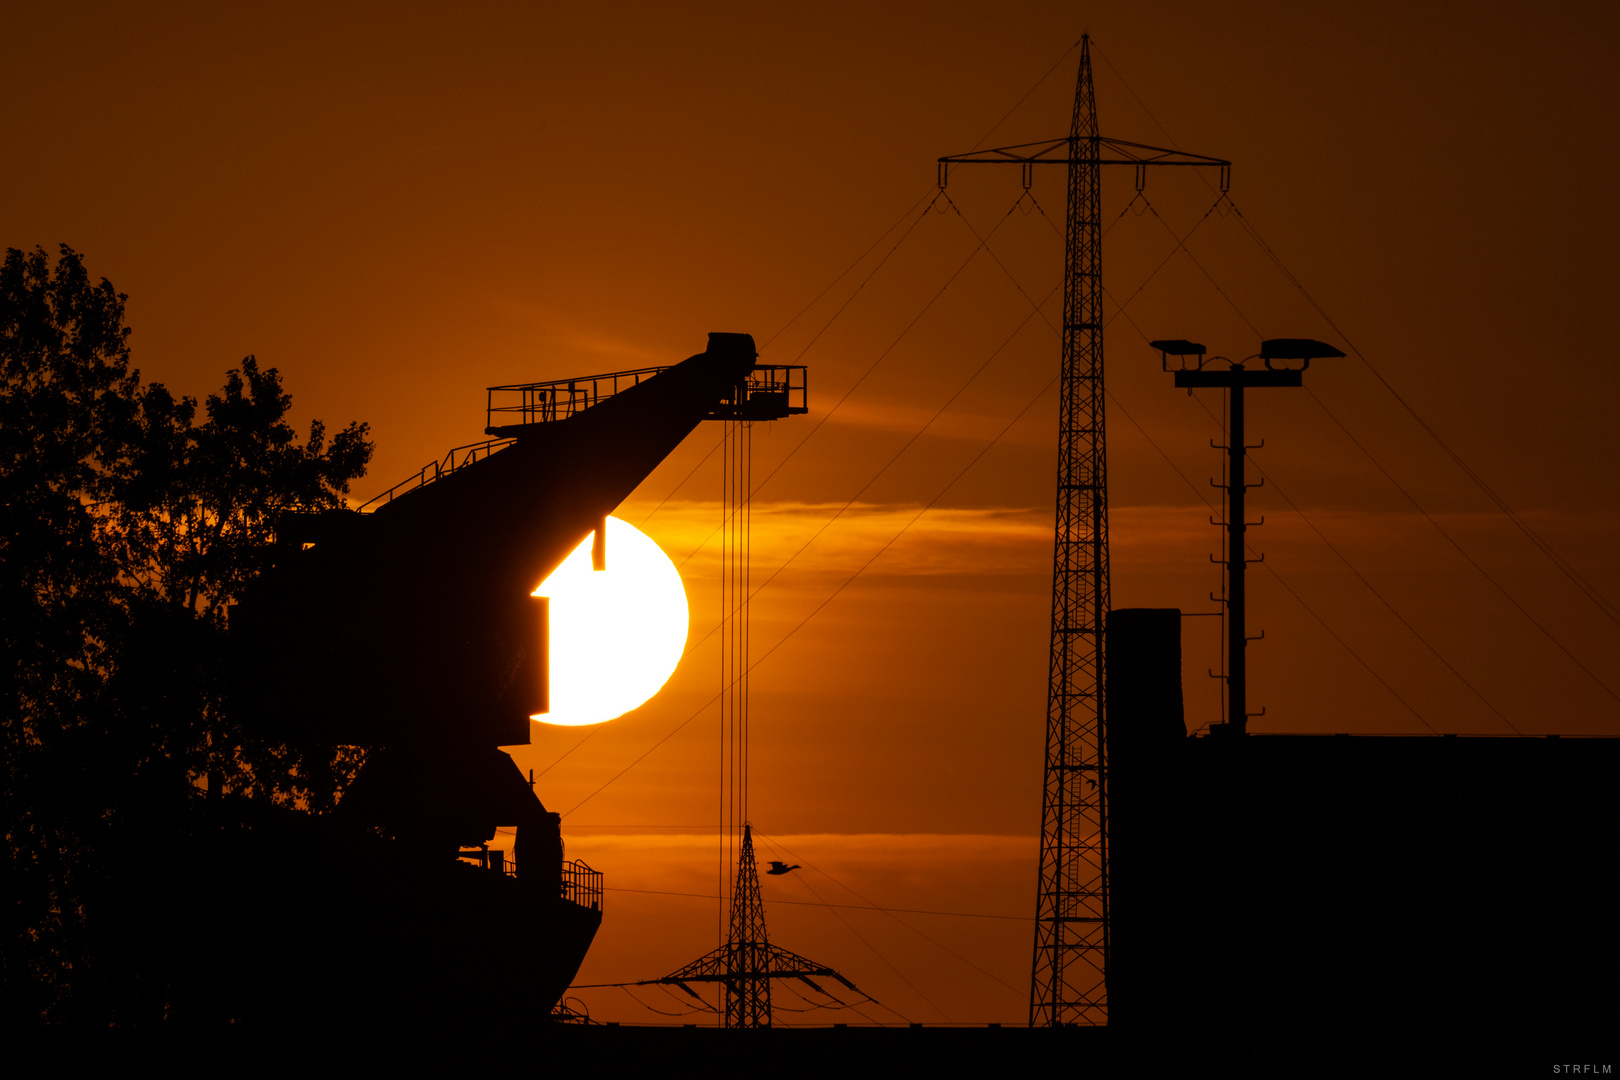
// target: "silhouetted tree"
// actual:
[[126, 530]]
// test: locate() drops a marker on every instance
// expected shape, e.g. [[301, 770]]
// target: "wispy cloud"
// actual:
[[945, 540], [975, 541]]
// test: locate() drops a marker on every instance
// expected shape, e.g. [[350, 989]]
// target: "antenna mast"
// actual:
[[1069, 978]]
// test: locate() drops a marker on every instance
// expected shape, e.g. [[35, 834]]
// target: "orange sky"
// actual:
[[398, 205]]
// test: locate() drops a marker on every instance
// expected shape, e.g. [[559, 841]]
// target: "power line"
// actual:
[[862, 569], [1410, 498], [1196, 490], [1564, 567], [864, 375], [886, 962], [861, 258], [588, 736], [1037, 85], [1603, 604], [718, 443], [1181, 242], [795, 855], [1461, 551], [899, 453], [1404, 621], [845, 907]]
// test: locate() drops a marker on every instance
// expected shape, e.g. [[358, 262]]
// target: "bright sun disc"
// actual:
[[616, 634]]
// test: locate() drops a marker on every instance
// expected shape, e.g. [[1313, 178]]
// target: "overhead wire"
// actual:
[[928, 194], [845, 907], [1382, 599], [847, 271], [813, 1006], [837, 1002], [846, 583], [1407, 623], [795, 855], [822, 420], [1119, 311], [588, 736], [1486, 574], [1196, 490], [1035, 310], [1600, 601], [705, 1006], [1591, 592], [983, 244], [908, 525], [1409, 497], [691, 473], [900, 452], [1181, 246], [825, 326], [833, 595], [1036, 86], [783, 329], [874, 950]]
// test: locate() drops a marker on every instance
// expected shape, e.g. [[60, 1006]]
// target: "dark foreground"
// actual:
[[838, 1053]]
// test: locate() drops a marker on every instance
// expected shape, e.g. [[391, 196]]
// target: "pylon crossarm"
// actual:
[[1058, 152], [704, 968], [791, 963], [782, 964]]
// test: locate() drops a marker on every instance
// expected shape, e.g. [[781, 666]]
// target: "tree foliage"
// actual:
[[128, 524]]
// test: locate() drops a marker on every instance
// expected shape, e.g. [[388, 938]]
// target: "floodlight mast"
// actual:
[[1069, 977], [1235, 379]]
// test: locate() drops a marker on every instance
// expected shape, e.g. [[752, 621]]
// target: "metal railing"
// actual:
[[581, 885], [458, 458], [770, 392], [544, 402]]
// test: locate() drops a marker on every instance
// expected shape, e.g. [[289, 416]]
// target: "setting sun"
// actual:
[[616, 634]]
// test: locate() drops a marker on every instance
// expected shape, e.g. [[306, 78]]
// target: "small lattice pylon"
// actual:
[[747, 962]]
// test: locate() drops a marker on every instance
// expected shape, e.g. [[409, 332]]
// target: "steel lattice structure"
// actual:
[[1069, 980], [747, 962], [1069, 977]]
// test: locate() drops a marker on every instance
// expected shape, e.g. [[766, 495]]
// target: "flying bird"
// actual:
[[781, 867]]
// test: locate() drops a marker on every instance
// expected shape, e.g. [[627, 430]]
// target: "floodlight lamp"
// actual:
[[1178, 347], [1302, 349]]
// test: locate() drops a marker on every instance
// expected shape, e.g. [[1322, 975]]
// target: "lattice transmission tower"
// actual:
[[1069, 977], [745, 962]]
